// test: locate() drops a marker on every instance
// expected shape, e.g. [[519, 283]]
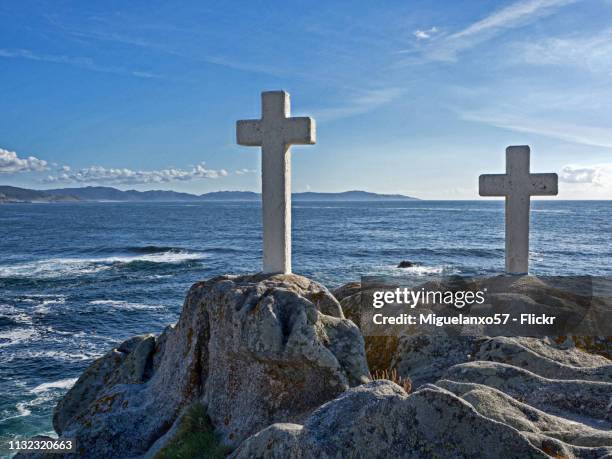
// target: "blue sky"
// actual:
[[413, 97]]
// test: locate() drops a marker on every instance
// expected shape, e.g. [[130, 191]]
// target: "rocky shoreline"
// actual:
[[282, 370]]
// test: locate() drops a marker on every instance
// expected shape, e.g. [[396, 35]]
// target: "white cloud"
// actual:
[[593, 53], [522, 122], [245, 171], [10, 162], [123, 176], [590, 181], [514, 15], [576, 174], [517, 14], [425, 34], [361, 103], [81, 62]]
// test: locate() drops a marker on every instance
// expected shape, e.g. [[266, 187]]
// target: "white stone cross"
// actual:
[[517, 185], [275, 132]]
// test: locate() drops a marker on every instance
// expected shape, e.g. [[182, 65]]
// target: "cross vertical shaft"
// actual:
[[276, 205], [275, 132], [517, 212]]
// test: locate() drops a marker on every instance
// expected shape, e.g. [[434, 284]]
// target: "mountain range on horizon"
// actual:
[[10, 194]]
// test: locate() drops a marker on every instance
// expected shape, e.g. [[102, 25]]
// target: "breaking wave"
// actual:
[[60, 384], [76, 267]]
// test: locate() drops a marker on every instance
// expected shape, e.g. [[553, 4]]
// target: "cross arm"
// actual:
[[543, 184], [493, 185], [249, 133], [299, 131]]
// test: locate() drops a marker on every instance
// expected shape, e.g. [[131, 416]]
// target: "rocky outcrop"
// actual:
[[379, 349], [545, 358], [499, 406], [125, 365], [557, 395], [254, 350], [451, 419], [346, 290], [380, 420], [590, 399], [278, 371]]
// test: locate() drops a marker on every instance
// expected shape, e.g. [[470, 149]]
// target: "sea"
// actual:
[[78, 278]]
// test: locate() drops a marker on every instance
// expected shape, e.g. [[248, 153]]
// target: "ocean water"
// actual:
[[76, 279]]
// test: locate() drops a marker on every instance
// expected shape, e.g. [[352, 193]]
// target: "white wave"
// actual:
[[163, 257], [43, 307], [457, 209], [422, 270], [58, 300], [553, 211], [15, 314], [60, 384], [58, 267], [55, 267], [65, 333], [108, 302], [126, 305], [55, 355], [22, 410], [43, 397], [16, 336]]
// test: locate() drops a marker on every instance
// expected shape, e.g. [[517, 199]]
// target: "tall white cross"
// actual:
[[275, 132], [518, 185]]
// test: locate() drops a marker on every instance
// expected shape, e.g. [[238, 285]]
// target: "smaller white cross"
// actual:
[[275, 132], [518, 185]]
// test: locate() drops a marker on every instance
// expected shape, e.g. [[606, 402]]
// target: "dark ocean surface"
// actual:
[[76, 279]]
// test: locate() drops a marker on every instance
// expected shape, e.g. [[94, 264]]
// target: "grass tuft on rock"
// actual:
[[391, 375], [195, 438]]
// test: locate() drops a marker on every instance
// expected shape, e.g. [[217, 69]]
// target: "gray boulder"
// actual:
[[545, 359], [569, 438], [348, 289], [588, 400], [276, 357], [124, 365], [379, 420], [254, 349], [425, 357]]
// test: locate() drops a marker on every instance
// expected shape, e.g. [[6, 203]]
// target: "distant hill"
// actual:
[[14, 194], [230, 196], [102, 193], [351, 196], [105, 193]]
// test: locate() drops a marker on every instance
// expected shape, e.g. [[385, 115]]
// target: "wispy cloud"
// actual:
[[245, 171], [570, 132], [81, 62], [180, 52], [593, 52], [425, 34], [518, 14], [10, 162], [358, 104], [515, 15], [123, 176]]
